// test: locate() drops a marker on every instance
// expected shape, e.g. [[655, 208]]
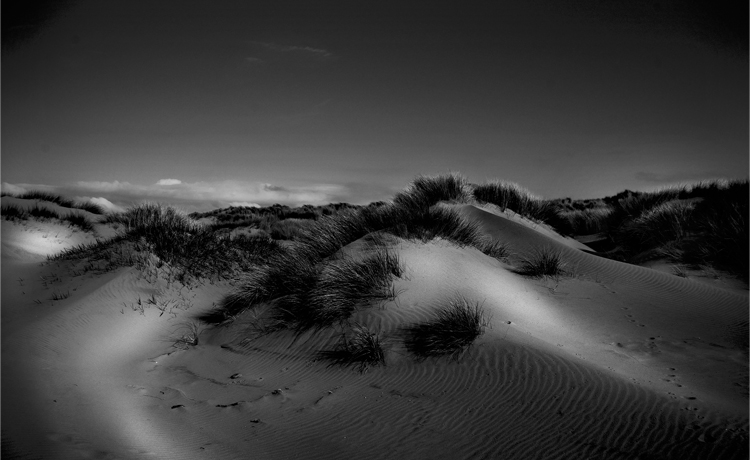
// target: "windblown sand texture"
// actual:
[[615, 361]]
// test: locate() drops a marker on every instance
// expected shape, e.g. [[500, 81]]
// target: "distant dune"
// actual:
[[152, 335]]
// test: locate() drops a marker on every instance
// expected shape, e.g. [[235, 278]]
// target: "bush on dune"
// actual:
[[347, 283], [286, 280], [508, 195], [545, 262], [451, 332], [43, 213], [11, 211], [439, 222], [360, 347], [307, 294], [703, 224], [79, 221], [426, 191], [495, 249], [584, 221], [61, 201]]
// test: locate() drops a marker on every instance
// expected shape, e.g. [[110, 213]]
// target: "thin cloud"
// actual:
[[168, 182], [664, 178], [302, 50]]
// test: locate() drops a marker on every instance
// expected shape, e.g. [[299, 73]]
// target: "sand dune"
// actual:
[[614, 361]]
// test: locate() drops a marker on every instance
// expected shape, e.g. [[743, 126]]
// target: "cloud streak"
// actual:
[[292, 49]]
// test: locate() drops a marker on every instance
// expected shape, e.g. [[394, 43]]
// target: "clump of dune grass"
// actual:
[[348, 283], [508, 195], [545, 262], [658, 225], [583, 221], [439, 222], [284, 281], [43, 213], [88, 206], [426, 191], [305, 293], [79, 221], [359, 347], [454, 328], [61, 201], [46, 196], [701, 224], [11, 211], [496, 249]]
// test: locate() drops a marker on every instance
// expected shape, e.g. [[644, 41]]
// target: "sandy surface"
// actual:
[[616, 361]]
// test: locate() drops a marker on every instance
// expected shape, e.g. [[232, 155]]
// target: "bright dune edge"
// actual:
[[631, 334]]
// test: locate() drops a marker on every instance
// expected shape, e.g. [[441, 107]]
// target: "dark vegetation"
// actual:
[[705, 224], [451, 332], [14, 212], [277, 221], [60, 201], [188, 249], [545, 262], [359, 347], [508, 195]]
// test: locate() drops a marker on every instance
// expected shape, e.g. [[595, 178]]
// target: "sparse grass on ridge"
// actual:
[[508, 195], [167, 238], [360, 347], [60, 200], [426, 191], [79, 221], [439, 222], [455, 327], [11, 211], [43, 213]]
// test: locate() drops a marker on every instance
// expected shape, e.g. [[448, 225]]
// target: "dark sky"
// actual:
[[209, 103]]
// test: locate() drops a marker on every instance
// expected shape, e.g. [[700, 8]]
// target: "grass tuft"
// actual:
[[496, 249], [346, 284], [61, 201], [79, 221], [435, 222], [426, 191], [508, 195], [11, 211], [545, 262], [361, 348], [43, 213], [454, 329]]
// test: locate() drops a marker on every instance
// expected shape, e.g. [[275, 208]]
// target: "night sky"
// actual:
[[207, 104]]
